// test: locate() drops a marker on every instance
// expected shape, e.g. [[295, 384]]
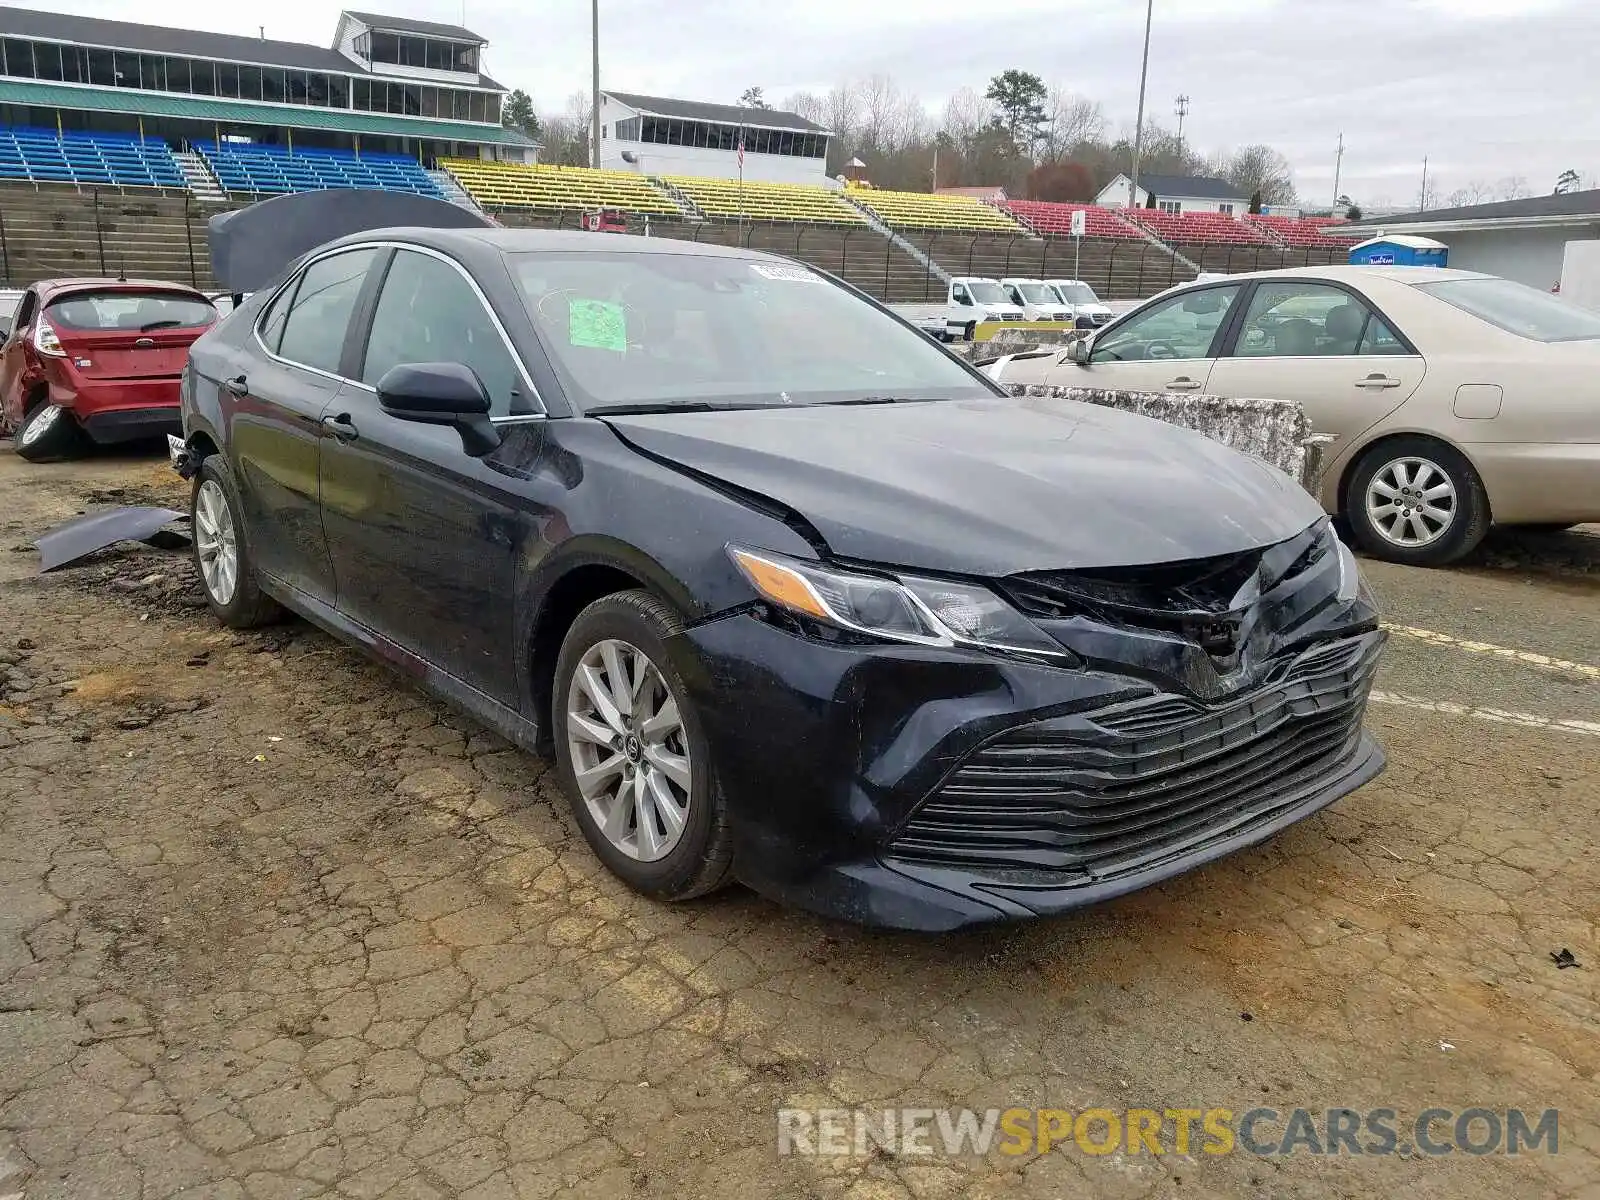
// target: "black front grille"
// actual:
[[1087, 796]]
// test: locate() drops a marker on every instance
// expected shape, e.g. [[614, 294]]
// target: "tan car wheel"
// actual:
[[1415, 500]]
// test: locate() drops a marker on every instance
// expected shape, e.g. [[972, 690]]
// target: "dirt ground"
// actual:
[[273, 924]]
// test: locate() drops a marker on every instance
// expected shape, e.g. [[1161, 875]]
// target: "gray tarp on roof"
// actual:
[[252, 247]]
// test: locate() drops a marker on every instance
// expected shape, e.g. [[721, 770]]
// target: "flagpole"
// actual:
[[741, 183]]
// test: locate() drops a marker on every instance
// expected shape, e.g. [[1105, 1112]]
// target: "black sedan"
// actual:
[[794, 596]]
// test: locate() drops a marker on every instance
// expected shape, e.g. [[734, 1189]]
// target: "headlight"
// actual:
[[906, 608]]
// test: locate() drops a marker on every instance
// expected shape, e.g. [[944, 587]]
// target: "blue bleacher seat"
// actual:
[[260, 168], [104, 159]]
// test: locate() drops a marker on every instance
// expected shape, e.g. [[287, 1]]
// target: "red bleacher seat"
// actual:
[[1215, 228], [1053, 219], [1303, 231]]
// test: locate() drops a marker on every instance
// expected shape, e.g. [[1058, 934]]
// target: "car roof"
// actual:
[[50, 287], [565, 241], [1347, 273]]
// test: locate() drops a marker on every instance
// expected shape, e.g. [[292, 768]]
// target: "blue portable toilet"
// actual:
[[1399, 250]]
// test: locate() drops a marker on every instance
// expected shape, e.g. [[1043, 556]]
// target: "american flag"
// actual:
[[741, 151]]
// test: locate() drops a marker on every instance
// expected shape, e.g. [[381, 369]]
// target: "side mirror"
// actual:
[[1080, 352], [441, 393]]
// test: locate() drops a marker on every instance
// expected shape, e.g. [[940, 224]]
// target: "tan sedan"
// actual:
[[1457, 399]]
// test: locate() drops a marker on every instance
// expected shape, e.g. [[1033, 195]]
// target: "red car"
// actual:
[[96, 358]]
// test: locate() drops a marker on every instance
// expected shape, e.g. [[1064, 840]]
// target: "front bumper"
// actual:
[[930, 789]]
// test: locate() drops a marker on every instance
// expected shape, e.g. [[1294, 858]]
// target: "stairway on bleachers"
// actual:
[[199, 178], [50, 231], [46, 156]]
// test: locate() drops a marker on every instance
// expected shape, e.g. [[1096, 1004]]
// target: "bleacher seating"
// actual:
[[1200, 228], [101, 159], [1303, 231], [923, 210], [1050, 218], [257, 168], [767, 201], [515, 185]]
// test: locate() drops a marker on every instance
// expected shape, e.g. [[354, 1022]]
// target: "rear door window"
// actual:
[[318, 318]]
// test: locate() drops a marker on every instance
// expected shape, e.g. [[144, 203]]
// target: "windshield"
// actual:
[[1077, 293], [661, 330], [985, 291], [1518, 308], [1037, 293], [105, 312]]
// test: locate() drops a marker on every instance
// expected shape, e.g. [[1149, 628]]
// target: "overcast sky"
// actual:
[[1486, 89]]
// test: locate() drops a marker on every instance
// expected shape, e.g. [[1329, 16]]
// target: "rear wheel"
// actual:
[[631, 756], [970, 333], [48, 432], [1418, 501], [222, 555]]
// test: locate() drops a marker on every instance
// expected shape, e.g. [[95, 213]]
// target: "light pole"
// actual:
[[1138, 128], [1181, 108], [594, 102]]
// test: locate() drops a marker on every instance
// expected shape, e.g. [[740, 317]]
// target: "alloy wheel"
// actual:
[[217, 542], [42, 422], [1411, 502], [629, 752]]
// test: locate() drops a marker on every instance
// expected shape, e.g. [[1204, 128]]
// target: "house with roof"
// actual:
[[655, 135], [1524, 240], [1176, 194]]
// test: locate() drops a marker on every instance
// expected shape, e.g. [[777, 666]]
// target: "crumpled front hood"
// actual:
[[989, 487]]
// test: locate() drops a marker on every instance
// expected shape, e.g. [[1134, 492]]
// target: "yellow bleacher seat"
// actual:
[[517, 185], [922, 210], [766, 201]]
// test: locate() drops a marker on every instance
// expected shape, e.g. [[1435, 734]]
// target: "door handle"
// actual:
[[237, 385], [1377, 382], [340, 426], [1183, 384]]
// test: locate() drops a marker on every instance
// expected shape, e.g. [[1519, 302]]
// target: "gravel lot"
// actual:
[[273, 924]]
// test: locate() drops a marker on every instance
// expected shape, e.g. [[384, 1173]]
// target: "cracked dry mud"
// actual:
[[273, 924]]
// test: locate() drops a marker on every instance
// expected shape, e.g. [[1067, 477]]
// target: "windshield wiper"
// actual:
[[159, 325], [665, 406]]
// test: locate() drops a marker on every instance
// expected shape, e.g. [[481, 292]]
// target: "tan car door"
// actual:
[[1323, 346], [1166, 347]]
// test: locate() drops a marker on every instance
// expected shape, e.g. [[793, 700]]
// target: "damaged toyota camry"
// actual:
[[793, 596]]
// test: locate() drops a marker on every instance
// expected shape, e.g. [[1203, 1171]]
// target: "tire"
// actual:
[[970, 333], [1429, 465], [646, 858], [216, 524], [48, 433]]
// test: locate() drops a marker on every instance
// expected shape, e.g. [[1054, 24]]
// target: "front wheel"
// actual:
[[630, 753], [222, 555], [1418, 501], [48, 432]]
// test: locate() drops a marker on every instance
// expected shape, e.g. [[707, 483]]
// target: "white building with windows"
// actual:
[[1176, 194], [654, 135]]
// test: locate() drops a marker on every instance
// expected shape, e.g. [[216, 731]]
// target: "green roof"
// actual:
[[293, 116]]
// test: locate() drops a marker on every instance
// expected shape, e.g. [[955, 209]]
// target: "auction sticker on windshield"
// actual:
[[786, 274], [597, 323]]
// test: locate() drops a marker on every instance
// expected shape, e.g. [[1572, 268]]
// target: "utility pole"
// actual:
[[1138, 129], [936, 164], [1182, 109], [594, 130], [1422, 200], [1338, 165]]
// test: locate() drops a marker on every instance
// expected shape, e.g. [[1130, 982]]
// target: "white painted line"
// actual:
[[1526, 657], [1499, 715]]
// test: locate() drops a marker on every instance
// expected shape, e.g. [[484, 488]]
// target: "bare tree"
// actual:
[[1070, 121], [1262, 169], [1512, 187], [566, 134], [1475, 192]]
